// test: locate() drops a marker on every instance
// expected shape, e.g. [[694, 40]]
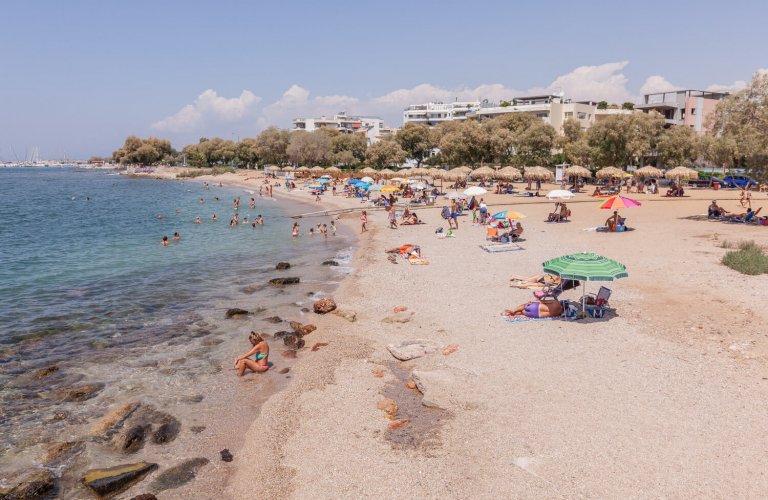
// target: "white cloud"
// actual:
[[601, 82], [735, 86], [296, 102], [208, 107], [657, 83]]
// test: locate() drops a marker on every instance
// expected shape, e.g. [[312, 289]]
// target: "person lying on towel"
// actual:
[[535, 309]]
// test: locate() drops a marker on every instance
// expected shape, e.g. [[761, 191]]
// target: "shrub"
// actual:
[[748, 259]]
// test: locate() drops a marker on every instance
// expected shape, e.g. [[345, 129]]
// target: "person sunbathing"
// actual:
[[411, 220], [596, 192], [535, 309], [517, 231], [407, 250], [613, 221], [746, 216]]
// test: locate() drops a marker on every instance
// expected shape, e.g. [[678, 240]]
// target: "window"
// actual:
[[581, 115], [693, 111], [569, 114]]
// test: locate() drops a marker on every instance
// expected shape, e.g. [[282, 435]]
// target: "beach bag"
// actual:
[[438, 230]]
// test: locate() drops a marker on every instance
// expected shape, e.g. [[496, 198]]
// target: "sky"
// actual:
[[77, 77]]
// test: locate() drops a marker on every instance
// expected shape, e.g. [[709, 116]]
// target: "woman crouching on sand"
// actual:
[[260, 352]]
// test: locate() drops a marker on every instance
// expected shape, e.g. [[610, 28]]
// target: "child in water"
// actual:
[[260, 352]]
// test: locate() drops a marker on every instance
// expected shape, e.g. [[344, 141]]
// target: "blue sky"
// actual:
[[79, 76]]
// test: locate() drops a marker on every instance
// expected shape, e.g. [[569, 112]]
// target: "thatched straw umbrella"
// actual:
[[316, 170], [536, 174], [334, 171], [577, 171], [464, 169], [483, 172], [681, 173], [289, 168], [509, 173], [369, 171], [387, 173], [303, 171], [649, 172], [609, 172], [455, 174], [416, 171], [272, 168]]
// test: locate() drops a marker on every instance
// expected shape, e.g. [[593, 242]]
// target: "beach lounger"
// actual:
[[492, 233], [418, 262], [501, 247]]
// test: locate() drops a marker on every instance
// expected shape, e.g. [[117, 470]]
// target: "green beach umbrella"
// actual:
[[585, 266]]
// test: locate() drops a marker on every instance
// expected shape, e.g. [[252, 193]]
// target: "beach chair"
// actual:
[[596, 304], [492, 233]]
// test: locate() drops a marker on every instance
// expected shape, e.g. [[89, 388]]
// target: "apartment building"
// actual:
[[552, 109], [373, 127], [689, 108], [433, 113]]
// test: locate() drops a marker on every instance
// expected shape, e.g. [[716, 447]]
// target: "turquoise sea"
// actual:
[[87, 288]]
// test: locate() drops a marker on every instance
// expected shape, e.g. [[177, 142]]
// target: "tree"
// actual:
[[349, 149], [741, 120], [628, 105], [676, 145], [618, 140], [573, 143], [602, 105], [309, 147], [271, 145], [247, 152], [149, 151], [414, 138], [383, 153]]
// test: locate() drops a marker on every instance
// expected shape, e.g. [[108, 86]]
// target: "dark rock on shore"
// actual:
[[76, 394], [301, 329], [61, 452], [324, 305], [145, 496], [274, 319], [197, 429], [304, 309], [114, 419], [281, 334], [330, 263], [114, 480], [282, 266], [226, 455], [44, 372], [284, 371], [132, 438], [30, 485], [250, 289], [179, 474], [236, 313], [167, 432], [58, 417], [284, 281]]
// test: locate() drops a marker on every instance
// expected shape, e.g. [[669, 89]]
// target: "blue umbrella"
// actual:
[[353, 181], [374, 187], [322, 181]]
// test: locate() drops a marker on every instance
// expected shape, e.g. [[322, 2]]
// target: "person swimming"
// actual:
[[165, 241], [176, 236], [260, 352]]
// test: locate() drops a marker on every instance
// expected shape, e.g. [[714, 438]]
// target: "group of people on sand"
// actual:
[[715, 211]]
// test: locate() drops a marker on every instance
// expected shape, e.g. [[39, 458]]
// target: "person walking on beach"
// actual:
[[295, 231], [392, 218], [333, 228], [743, 198], [363, 222], [260, 352]]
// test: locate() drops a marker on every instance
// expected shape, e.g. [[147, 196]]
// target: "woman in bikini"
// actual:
[[260, 352], [535, 309]]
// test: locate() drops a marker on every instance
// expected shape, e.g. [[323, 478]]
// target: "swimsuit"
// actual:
[[260, 356], [531, 310]]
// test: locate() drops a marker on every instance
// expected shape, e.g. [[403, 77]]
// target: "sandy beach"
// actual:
[[663, 399]]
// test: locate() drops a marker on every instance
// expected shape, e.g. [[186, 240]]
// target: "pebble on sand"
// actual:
[[396, 424], [389, 407]]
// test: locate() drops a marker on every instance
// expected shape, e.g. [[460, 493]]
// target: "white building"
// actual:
[[373, 127], [433, 113]]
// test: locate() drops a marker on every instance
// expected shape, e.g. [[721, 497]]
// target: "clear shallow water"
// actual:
[[86, 286]]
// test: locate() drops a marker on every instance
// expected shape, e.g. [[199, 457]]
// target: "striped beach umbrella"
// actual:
[[618, 201]]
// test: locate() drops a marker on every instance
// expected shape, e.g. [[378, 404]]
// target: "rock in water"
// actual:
[[236, 313], [226, 455], [290, 353], [77, 394], [30, 485], [350, 316], [178, 474], [114, 480], [284, 281], [410, 349], [114, 419], [61, 452], [290, 340], [282, 266], [301, 329], [330, 263], [324, 306], [274, 320], [167, 432], [145, 496], [131, 439]]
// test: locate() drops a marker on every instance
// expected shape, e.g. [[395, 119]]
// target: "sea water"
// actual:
[[88, 295]]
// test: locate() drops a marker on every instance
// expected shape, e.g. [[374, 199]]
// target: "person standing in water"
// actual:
[[363, 222], [295, 231], [333, 228]]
